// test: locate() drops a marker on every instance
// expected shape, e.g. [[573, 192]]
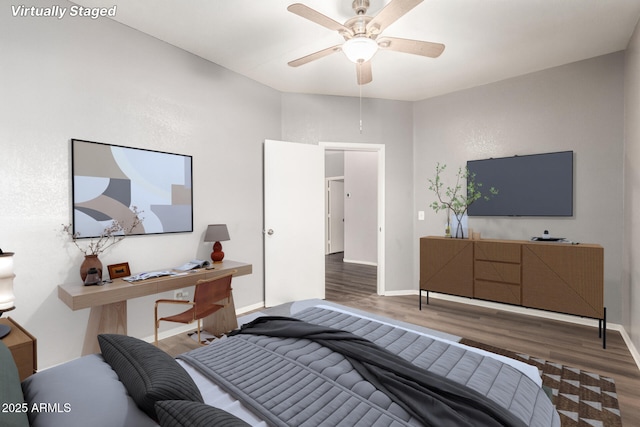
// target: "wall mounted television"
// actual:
[[108, 181], [531, 185]]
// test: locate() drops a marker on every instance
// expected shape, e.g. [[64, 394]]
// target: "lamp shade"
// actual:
[[360, 49], [216, 233], [7, 298]]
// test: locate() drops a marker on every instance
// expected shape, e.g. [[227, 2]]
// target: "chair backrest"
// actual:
[[208, 292]]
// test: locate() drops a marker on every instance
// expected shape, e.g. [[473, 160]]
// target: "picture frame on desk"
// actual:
[[119, 270]]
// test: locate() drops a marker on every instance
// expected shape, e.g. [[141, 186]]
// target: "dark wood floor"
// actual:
[[354, 285]]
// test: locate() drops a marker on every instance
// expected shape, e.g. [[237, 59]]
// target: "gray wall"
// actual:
[[102, 81], [631, 253], [361, 207], [575, 107], [333, 164]]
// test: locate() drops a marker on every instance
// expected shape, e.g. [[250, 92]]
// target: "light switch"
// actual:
[[421, 215]]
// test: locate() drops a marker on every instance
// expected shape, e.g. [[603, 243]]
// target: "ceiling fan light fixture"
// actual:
[[360, 49]]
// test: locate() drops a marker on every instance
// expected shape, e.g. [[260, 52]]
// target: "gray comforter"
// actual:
[[296, 382]]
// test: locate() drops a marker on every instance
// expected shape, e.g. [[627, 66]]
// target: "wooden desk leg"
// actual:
[[222, 321], [104, 319]]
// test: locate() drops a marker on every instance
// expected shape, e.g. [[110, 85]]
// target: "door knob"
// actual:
[[270, 232]]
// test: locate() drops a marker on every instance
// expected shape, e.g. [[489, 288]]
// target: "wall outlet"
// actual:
[[181, 294], [420, 215]]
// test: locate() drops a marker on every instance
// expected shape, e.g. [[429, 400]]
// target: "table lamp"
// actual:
[[217, 233], [7, 298]]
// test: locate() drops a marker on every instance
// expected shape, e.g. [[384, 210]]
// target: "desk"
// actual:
[[108, 303]]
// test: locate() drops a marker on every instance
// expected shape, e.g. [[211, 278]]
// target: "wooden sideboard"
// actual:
[[561, 277]]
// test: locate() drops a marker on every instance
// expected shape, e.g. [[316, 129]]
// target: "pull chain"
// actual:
[[360, 89]]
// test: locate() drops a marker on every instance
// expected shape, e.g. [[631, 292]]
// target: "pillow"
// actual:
[[83, 392], [183, 413], [148, 373], [13, 412]]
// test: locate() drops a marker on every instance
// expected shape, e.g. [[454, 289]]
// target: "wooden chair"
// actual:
[[207, 298]]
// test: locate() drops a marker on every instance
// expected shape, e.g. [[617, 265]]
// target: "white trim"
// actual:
[[252, 307], [520, 310], [632, 348], [183, 329], [577, 320], [380, 149], [352, 261]]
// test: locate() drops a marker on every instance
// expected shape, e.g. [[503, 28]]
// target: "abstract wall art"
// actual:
[[110, 182]]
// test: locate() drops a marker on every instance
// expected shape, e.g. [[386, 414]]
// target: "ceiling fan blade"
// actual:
[[313, 56], [317, 17], [390, 14], [415, 47], [363, 70]]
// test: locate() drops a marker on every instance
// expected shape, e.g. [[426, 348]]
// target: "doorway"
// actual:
[[379, 189]]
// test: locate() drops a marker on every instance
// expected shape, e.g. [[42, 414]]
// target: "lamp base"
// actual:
[[4, 330], [217, 255]]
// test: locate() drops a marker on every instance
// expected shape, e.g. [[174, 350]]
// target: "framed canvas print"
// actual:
[[111, 182]]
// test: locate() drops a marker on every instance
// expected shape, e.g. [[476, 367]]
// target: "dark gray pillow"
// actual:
[[184, 413], [148, 373]]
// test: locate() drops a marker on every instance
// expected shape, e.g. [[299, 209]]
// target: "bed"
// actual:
[[323, 377]]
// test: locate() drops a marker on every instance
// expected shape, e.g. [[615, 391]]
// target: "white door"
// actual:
[[335, 216], [294, 222]]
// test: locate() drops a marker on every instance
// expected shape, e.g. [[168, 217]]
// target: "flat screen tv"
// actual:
[[531, 185], [109, 181]]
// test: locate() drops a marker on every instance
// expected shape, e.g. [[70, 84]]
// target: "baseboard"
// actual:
[[523, 310], [248, 308], [183, 329], [353, 261], [532, 312], [632, 348]]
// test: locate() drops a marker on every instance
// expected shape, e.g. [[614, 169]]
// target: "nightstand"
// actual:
[[23, 347]]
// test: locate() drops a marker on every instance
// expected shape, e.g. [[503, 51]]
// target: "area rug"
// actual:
[[583, 399]]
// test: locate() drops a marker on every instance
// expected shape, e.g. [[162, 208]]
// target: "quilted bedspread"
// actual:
[[297, 382]]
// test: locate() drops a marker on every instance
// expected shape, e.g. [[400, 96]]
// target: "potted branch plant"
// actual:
[[458, 198], [94, 246]]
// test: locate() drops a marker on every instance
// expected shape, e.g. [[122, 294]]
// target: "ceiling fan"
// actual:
[[362, 35]]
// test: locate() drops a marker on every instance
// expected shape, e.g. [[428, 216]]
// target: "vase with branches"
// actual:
[[459, 197], [112, 234]]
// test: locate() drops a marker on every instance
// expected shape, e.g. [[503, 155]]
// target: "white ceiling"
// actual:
[[486, 40]]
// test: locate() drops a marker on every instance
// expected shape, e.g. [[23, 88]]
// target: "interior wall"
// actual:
[[631, 267], [102, 81], [314, 118], [361, 207], [333, 164], [575, 107]]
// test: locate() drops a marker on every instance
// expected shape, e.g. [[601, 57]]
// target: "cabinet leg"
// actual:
[[602, 329], [420, 297]]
